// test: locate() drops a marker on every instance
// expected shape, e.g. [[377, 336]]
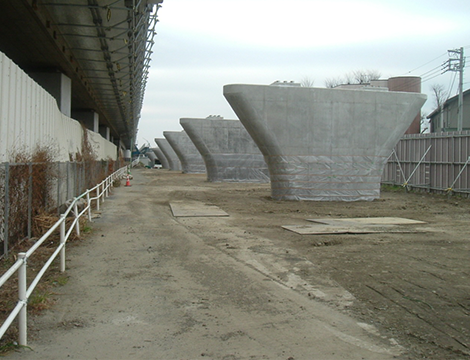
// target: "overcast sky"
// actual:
[[205, 44]]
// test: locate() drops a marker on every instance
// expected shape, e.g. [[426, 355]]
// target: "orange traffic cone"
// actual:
[[128, 183]]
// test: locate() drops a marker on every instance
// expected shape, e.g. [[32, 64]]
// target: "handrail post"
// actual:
[[103, 190], [77, 224], [98, 198], [88, 204], [62, 241], [22, 315], [107, 186]]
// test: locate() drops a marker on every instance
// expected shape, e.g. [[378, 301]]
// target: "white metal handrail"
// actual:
[[102, 191]]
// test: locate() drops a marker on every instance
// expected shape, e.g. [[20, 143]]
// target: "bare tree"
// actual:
[[440, 95], [365, 76], [307, 82], [348, 78], [353, 78], [333, 82]]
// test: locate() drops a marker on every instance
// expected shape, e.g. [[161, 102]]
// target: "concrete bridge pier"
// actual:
[[161, 157], [173, 161], [229, 152], [190, 158], [324, 144]]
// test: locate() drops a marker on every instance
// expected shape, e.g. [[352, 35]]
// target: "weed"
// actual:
[[86, 229], [392, 188], [40, 300], [12, 346], [60, 280]]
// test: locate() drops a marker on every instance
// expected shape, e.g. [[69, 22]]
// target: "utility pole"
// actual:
[[456, 62]]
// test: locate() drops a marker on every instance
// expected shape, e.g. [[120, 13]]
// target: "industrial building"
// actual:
[[446, 118]]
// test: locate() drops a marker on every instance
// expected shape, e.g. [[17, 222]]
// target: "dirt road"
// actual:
[[147, 285]]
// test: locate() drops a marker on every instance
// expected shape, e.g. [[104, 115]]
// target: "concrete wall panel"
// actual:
[[173, 160], [190, 157], [229, 152], [30, 118], [324, 144]]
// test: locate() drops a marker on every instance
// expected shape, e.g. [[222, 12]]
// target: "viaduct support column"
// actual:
[[324, 144]]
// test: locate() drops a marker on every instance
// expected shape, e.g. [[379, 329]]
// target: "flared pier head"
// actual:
[[324, 144], [161, 157], [229, 152], [171, 157], [190, 158]]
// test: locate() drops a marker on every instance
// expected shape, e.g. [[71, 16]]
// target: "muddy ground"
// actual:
[[413, 286], [147, 285]]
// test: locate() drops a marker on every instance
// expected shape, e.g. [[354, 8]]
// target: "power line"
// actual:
[[439, 67], [456, 63], [419, 67], [449, 92]]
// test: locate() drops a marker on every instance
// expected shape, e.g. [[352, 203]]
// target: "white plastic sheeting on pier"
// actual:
[[228, 150]]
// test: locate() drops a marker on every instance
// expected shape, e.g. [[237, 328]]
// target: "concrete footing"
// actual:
[[229, 152], [190, 158], [324, 144], [173, 160]]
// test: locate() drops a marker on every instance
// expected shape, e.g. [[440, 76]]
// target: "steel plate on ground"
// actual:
[[194, 209], [367, 221], [332, 229]]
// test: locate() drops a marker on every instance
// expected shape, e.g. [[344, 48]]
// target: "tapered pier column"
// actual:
[[228, 150], [161, 157], [190, 158], [324, 144], [173, 160]]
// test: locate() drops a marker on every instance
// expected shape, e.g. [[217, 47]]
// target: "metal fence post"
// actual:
[[88, 204], [77, 224], [62, 241], [58, 188], [84, 185], [30, 198], [76, 176], [22, 316], [67, 179], [6, 213], [98, 198]]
